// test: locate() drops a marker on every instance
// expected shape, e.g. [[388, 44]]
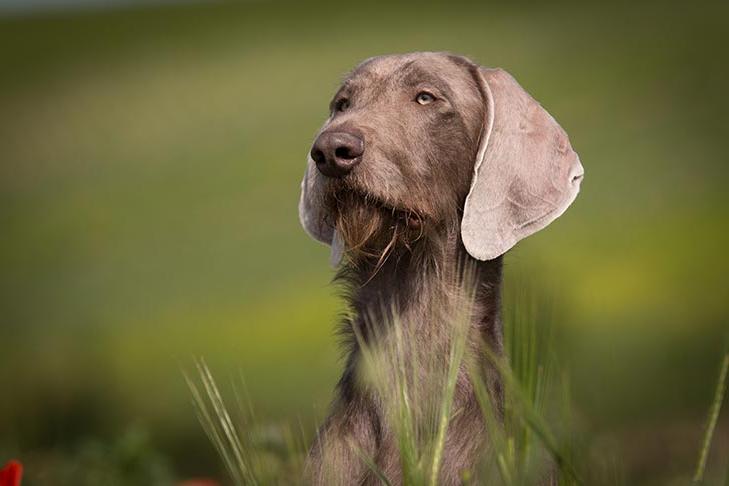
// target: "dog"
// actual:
[[428, 164]]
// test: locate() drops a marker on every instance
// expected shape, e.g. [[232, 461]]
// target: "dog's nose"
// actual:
[[337, 152]]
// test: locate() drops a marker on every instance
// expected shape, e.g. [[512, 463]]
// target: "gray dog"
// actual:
[[428, 163]]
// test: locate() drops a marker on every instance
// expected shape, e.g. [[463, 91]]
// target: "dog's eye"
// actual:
[[425, 98], [342, 104]]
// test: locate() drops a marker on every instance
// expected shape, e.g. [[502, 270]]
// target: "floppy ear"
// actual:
[[311, 213], [525, 175]]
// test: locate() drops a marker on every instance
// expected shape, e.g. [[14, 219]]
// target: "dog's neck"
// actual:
[[411, 282]]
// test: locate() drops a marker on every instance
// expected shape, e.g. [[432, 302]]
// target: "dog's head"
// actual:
[[419, 141]]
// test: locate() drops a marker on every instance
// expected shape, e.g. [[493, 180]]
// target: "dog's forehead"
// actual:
[[421, 64]]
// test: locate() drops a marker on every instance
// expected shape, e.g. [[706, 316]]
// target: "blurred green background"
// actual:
[[150, 160]]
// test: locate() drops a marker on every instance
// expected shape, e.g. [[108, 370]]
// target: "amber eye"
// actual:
[[425, 98], [342, 104]]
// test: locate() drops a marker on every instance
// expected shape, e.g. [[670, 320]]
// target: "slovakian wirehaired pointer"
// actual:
[[427, 164]]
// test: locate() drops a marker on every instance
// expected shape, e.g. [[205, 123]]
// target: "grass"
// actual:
[[721, 386], [416, 389], [252, 453], [523, 446], [220, 428]]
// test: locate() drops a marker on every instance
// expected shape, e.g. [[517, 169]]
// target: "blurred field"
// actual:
[[149, 168]]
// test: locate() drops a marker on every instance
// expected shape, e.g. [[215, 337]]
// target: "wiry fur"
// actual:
[[399, 215]]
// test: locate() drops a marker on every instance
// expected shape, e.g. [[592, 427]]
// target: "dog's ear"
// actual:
[[311, 213], [525, 175]]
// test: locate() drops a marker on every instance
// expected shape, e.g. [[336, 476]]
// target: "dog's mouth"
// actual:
[[371, 226], [410, 217]]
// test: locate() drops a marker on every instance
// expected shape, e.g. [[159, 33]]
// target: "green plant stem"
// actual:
[[713, 418], [454, 365]]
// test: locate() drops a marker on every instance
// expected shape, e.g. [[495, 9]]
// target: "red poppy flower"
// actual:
[[11, 474]]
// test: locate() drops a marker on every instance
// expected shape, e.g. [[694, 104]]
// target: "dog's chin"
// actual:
[[369, 227]]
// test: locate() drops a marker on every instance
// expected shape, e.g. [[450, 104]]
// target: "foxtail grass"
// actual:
[[252, 453], [416, 391], [415, 386]]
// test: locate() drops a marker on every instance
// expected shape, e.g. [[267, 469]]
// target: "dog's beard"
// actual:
[[369, 228]]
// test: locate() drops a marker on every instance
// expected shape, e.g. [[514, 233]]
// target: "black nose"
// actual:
[[337, 152]]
